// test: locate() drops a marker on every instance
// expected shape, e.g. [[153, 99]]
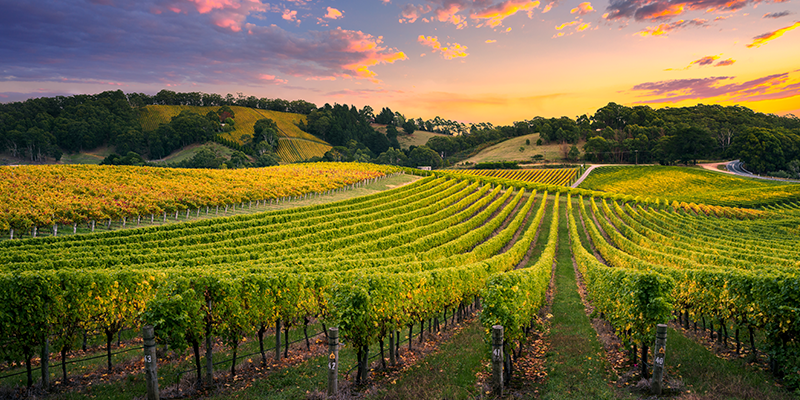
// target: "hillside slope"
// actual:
[[293, 145]]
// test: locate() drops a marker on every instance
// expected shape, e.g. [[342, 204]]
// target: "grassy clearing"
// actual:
[[191, 150], [509, 150], [577, 367], [689, 185]]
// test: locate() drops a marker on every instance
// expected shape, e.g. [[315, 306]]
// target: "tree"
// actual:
[[409, 127], [424, 156], [385, 117], [392, 157], [574, 153], [265, 131]]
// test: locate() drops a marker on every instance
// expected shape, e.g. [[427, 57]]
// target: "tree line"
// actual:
[[38, 129]]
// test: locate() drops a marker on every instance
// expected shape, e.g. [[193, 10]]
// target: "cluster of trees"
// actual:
[[46, 127], [764, 142]]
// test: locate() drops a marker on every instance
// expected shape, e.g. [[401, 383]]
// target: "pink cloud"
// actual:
[[760, 40], [777, 86], [290, 15], [272, 79], [454, 50], [367, 51], [582, 9]]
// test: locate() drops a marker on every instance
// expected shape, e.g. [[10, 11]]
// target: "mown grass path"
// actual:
[[576, 363]]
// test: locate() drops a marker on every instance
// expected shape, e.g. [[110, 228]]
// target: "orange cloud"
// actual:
[[490, 41], [333, 13], [664, 29], [454, 50], [566, 24], [724, 63], [583, 27], [760, 40], [497, 13], [582, 9]]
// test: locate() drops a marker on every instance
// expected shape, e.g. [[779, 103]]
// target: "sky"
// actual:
[[496, 61]]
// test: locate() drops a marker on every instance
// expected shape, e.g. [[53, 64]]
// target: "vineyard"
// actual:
[[293, 144], [378, 264], [551, 176], [44, 197]]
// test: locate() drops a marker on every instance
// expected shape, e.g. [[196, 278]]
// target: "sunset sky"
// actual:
[[466, 60]]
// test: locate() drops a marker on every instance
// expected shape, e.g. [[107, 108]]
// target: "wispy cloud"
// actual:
[[461, 12], [665, 10], [725, 63], [721, 88], [760, 40], [707, 60], [667, 28], [778, 14], [454, 50]]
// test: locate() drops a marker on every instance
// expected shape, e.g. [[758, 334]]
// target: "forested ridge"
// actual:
[[45, 128]]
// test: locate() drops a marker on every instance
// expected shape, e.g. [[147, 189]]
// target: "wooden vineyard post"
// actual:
[[659, 352], [497, 359], [150, 367], [333, 362]]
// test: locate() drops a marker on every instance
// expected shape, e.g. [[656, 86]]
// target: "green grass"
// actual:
[[711, 377], [577, 367], [450, 373], [689, 185], [190, 151], [509, 150]]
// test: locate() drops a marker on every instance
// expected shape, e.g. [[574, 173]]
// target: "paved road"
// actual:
[[737, 167]]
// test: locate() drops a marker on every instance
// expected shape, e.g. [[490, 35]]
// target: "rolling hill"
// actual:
[[293, 144]]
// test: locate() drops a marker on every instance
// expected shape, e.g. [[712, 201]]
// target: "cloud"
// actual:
[[333, 13], [128, 42], [725, 63], [760, 40], [566, 24], [290, 15], [367, 93], [777, 14], [707, 60], [495, 14], [665, 29], [665, 10], [454, 50], [411, 13], [490, 41], [460, 12], [583, 27], [582, 9], [721, 88], [272, 79]]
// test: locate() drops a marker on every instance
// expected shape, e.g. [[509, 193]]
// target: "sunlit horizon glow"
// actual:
[[494, 61]]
